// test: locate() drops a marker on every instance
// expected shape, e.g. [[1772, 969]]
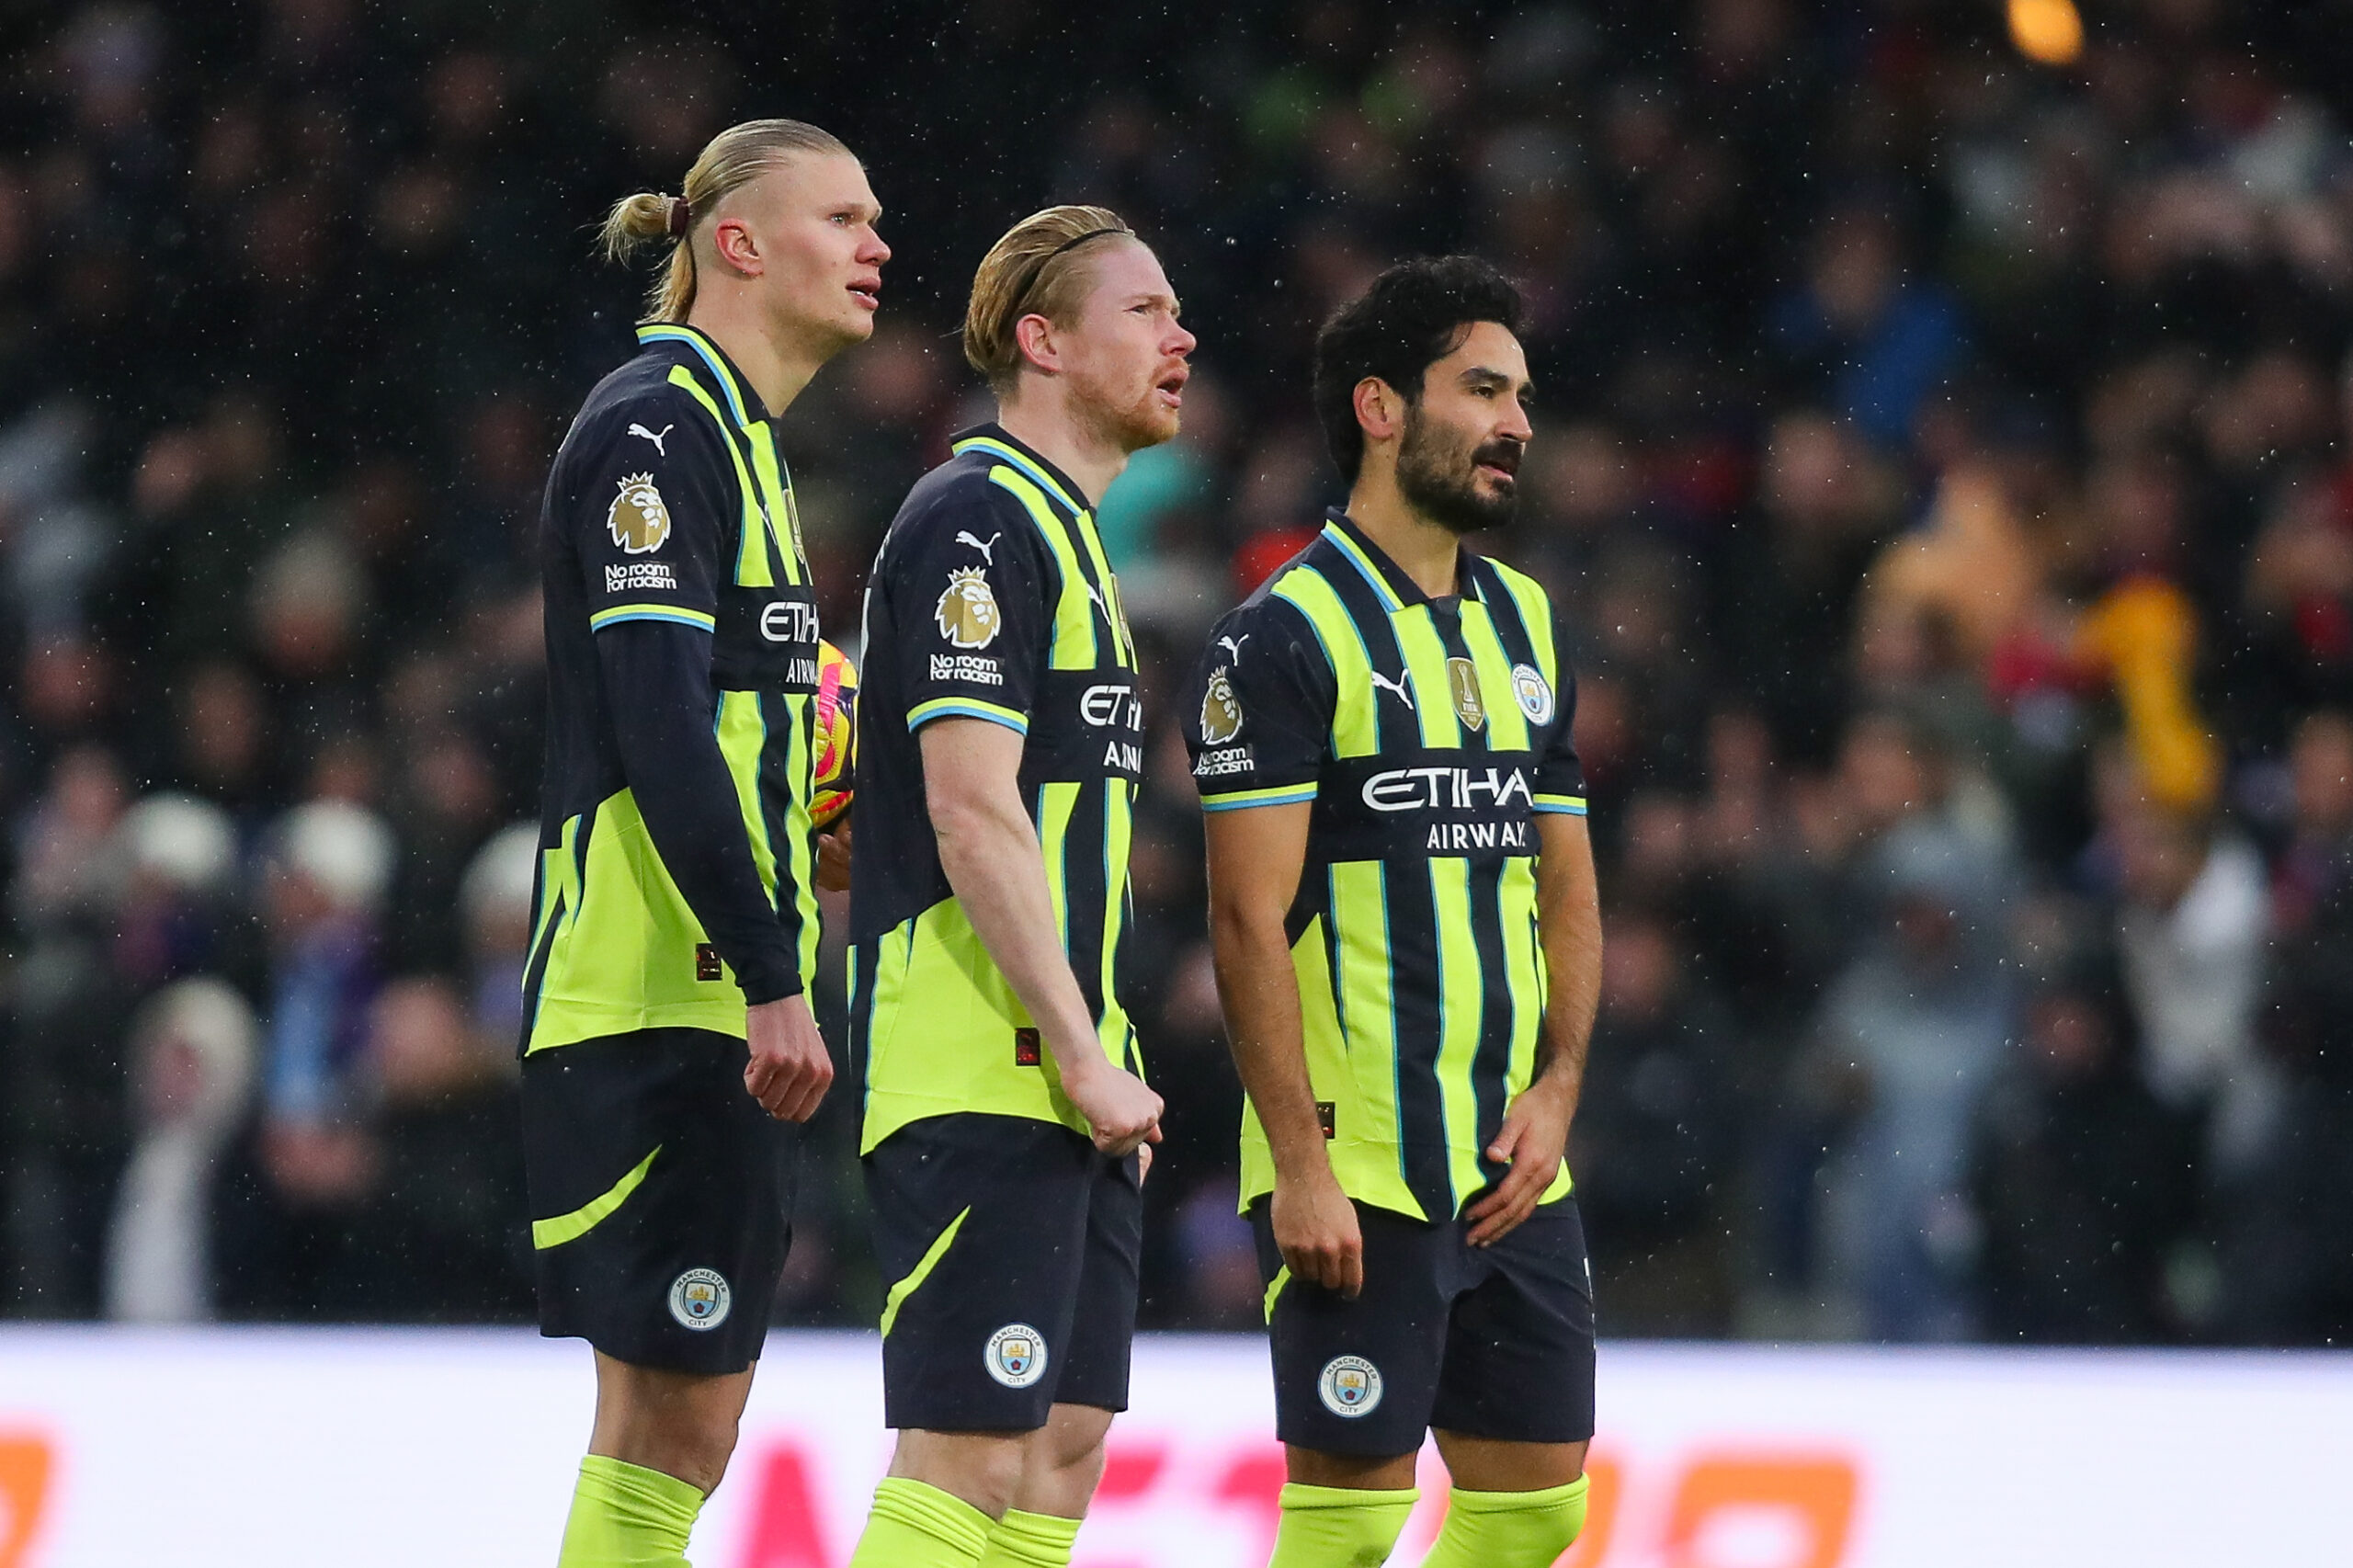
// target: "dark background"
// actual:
[[1944, 458]]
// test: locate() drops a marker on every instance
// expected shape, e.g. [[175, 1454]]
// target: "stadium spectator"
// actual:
[[2083, 1184], [1657, 1139], [192, 1074]]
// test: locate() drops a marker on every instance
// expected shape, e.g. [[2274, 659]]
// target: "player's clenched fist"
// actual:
[[790, 1069], [1121, 1111]]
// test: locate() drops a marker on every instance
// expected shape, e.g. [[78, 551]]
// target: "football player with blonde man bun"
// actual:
[[669, 1049], [1001, 747]]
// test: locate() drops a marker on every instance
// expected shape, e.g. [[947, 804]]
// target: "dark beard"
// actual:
[[1445, 487]]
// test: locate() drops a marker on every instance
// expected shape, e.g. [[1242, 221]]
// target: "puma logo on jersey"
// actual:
[[657, 440], [1398, 688], [1233, 645], [988, 550]]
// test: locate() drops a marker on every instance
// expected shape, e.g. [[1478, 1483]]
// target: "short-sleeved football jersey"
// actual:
[[991, 599], [1428, 734], [668, 502]]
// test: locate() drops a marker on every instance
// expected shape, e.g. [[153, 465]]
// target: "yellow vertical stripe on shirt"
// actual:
[[1462, 998], [777, 493], [743, 737], [1355, 728], [1072, 646], [1536, 615], [1506, 725], [752, 569], [1082, 525], [1433, 688], [1359, 915], [1119, 832], [1055, 804], [1523, 963]]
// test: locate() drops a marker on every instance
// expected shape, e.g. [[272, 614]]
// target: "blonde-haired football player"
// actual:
[[1001, 747], [669, 1047]]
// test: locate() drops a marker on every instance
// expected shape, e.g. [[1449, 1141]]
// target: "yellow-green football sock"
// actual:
[[625, 1515], [1030, 1540], [918, 1526], [1510, 1530], [1338, 1527]]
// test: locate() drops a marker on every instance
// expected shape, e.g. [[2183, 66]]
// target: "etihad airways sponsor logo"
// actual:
[[1106, 706], [789, 621], [1447, 789]]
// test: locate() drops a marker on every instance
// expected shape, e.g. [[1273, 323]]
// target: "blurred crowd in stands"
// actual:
[[1948, 460]]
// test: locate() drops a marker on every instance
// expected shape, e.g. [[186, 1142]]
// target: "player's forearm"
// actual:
[[662, 719], [990, 851], [1259, 992], [1568, 927]]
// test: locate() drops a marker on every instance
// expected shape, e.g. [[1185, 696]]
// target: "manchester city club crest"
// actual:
[[1016, 1355], [700, 1299], [1462, 679], [967, 611], [1533, 692], [1221, 710], [1350, 1386], [639, 520]]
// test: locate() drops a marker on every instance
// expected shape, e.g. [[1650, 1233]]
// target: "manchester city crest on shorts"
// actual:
[[1016, 1355], [967, 611], [1350, 1386], [700, 1299], [1533, 693], [638, 519]]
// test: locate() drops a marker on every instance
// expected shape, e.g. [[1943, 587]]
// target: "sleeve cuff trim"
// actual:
[[672, 613], [1567, 805], [1275, 795], [922, 713]]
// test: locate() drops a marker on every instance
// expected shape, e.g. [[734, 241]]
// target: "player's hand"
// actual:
[[833, 857], [1316, 1229], [1123, 1112], [790, 1070], [1534, 1135]]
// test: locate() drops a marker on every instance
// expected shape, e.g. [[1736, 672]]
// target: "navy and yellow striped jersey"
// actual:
[[991, 599], [669, 507], [1427, 734]]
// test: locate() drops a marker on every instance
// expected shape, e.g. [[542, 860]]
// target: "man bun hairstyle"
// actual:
[[1415, 315], [1037, 269], [732, 159]]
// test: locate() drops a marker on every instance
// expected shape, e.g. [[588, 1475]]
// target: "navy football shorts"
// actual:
[[1011, 1248], [1490, 1342], [661, 1198]]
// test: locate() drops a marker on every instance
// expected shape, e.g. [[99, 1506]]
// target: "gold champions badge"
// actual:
[[1462, 677]]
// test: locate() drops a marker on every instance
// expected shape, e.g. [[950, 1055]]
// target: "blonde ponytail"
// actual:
[[734, 158]]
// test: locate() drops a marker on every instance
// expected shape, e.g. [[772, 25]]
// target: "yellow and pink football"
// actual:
[[836, 737]]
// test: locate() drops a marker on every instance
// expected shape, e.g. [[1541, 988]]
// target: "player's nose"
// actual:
[[1181, 342], [874, 252]]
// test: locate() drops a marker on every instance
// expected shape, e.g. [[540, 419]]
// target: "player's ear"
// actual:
[[1379, 411], [738, 247], [1034, 335]]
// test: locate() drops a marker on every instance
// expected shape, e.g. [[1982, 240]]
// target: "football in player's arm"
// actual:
[[1407, 942], [1001, 748], [669, 1048]]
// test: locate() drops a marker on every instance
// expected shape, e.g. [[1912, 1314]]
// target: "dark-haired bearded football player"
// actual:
[[1408, 949]]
